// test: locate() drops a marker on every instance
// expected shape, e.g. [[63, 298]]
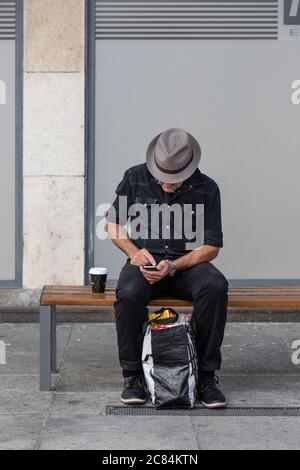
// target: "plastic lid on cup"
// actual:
[[99, 271]]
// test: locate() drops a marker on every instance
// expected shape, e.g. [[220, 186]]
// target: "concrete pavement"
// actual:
[[258, 371]]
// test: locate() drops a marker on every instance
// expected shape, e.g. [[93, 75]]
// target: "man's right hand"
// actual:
[[142, 258]]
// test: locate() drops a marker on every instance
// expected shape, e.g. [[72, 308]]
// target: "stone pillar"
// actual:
[[54, 154]]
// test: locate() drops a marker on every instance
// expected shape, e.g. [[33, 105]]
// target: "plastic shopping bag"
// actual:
[[169, 359]]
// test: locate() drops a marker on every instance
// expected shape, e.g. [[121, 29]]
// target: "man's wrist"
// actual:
[[132, 251], [173, 268]]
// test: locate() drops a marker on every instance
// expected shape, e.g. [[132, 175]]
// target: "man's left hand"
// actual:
[[163, 269]]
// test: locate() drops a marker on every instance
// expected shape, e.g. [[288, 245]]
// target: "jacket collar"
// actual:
[[194, 180]]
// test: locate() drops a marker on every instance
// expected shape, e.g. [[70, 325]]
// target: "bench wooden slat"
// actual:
[[111, 295], [252, 296], [235, 288], [274, 290], [293, 290]]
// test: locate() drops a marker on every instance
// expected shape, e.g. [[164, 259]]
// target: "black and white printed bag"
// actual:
[[169, 359]]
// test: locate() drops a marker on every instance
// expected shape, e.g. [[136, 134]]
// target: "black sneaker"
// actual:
[[134, 391], [210, 393]]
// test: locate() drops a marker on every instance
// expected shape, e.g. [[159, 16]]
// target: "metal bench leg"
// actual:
[[45, 347], [53, 340]]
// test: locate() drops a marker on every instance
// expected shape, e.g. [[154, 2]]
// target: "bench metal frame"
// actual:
[[48, 350]]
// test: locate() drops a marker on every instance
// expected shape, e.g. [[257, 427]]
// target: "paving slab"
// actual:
[[18, 402], [19, 382], [262, 390], [93, 403], [110, 432], [238, 433], [22, 346], [20, 432], [91, 362], [257, 349]]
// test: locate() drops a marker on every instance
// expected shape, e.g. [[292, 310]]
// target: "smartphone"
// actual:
[[149, 267]]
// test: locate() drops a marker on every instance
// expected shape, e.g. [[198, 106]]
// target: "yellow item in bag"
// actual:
[[162, 316]]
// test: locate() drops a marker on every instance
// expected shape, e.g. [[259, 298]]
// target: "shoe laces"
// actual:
[[129, 381], [214, 381]]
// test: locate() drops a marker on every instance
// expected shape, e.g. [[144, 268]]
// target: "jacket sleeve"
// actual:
[[213, 234], [118, 211]]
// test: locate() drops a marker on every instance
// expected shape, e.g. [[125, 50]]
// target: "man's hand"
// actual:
[[163, 269], [143, 257]]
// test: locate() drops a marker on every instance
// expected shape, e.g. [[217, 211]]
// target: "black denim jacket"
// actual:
[[141, 187]]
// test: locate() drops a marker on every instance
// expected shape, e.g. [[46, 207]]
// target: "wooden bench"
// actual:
[[53, 296]]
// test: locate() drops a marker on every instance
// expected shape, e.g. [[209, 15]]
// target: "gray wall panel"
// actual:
[[7, 163], [236, 99]]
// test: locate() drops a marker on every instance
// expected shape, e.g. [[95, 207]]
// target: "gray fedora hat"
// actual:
[[173, 156]]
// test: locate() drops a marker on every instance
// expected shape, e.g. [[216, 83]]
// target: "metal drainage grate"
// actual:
[[200, 411]]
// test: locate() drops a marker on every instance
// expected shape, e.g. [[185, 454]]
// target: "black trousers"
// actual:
[[204, 284]]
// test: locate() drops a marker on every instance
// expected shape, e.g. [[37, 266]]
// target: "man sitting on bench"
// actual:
[[169, 179]]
